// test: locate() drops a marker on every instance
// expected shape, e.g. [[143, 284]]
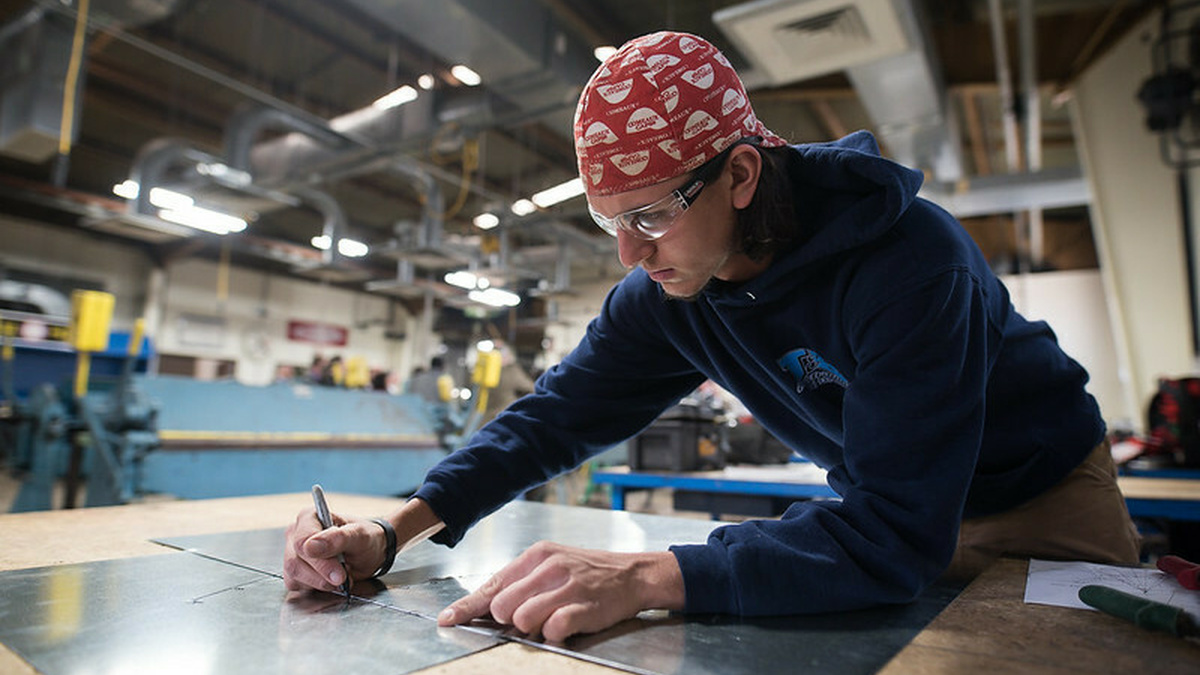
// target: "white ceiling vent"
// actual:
[[791, 40]]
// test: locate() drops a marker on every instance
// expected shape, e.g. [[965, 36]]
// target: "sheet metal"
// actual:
[[223, 609], [188, 614], [429, 577]]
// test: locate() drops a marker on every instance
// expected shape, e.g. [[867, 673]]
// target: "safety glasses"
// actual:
[[654, 220]]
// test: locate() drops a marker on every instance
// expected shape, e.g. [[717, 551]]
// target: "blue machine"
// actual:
[[220, 439], [133, 434], [46, 428]]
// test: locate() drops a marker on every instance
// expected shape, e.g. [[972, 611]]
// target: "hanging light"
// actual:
[[559, 193], [396, 98], [495, 297], [465, 75]]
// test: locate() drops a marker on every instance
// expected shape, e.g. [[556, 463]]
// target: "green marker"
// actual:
[[1143, 613]]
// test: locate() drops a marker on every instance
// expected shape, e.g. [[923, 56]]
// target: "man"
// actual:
[[433, 385], [858, 323]]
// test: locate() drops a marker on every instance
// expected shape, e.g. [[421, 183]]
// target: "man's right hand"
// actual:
[[310, 554]]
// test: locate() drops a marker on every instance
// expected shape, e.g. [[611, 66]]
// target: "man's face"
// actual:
[[698, 246]]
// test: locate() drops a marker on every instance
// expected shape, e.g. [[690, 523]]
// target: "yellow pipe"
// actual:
[[82, 366], [10, 334], [135, 340], [75, 65]]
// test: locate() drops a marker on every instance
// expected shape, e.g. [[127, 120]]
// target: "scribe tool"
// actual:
[[326, 519], [1184, 571], [1143, 613]]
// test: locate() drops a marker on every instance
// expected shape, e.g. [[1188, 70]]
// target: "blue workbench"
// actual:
[[1146, 496], [791, 482]]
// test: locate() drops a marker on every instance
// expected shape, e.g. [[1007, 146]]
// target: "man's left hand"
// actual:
[[558, 590]]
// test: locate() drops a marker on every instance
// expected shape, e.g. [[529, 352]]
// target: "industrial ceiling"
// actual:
[[264, 109]]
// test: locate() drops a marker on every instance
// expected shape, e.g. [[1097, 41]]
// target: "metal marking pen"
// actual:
[[326, 519]]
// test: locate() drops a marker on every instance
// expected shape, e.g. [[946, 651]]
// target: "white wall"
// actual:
[[573, 314], [1136, 221], [1073, 303], [249, 325], [117, 268], [186, 314]]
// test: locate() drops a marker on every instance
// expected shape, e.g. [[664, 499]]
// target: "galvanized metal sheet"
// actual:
[[223, 609], [428, 577], [189, 614]]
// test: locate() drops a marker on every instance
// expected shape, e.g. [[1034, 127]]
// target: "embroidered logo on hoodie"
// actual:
[[811, 370]]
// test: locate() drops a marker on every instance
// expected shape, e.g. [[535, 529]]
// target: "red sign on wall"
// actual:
[[318, 333]]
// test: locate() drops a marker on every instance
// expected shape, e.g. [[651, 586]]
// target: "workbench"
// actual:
[[735, 490], [765, 490], [1154, 497], [986, 628]]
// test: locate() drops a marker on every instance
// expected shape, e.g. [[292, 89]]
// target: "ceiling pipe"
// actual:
[[907, 100], [434, 203], [17, 26], [1004, 81], [248, 123], [103, 22], [333, 226], [154, 160], [1012, 142], [1033, 122]]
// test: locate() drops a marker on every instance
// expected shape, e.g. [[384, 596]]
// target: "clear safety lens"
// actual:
[[648, 222]]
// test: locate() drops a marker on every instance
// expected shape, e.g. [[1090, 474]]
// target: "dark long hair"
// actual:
[[768, 224]]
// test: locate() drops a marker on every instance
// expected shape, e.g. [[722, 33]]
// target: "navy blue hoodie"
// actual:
[[882, 348]]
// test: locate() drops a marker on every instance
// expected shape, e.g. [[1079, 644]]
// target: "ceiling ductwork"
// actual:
[[532, 69], [33, 99], [525, 55], [276, 156], [37, 48], [883, 49]]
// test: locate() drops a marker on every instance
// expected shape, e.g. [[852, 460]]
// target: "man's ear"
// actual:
[[745, 166]]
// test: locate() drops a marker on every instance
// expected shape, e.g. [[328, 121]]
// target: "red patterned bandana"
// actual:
[[661, 106]]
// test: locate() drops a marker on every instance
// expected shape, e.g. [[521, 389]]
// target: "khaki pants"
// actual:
[[1082, 518]]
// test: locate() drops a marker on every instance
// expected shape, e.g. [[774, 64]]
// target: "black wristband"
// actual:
[[389, 548]]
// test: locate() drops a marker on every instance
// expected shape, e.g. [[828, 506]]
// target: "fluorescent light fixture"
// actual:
[[559, 193], [223, 172], [350, 248], [127, 189], [177, 207], [170, 199], [523, 207], [495, 297], [398, 97], [426, 81], [204, 219], [462, 279], [465, 75], [159, 196], [603, 52], [486, 221]]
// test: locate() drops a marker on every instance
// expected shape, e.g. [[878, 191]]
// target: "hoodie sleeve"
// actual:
[[617, 381], [913, 416]]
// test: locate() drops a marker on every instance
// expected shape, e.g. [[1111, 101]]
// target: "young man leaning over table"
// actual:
[[854, 320]]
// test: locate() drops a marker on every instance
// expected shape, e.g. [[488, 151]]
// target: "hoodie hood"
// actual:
[[847, 196]]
